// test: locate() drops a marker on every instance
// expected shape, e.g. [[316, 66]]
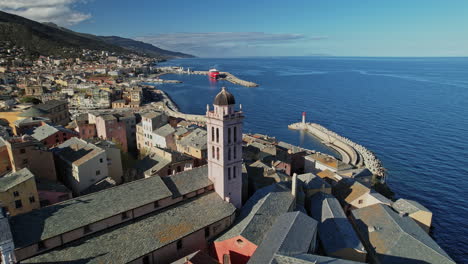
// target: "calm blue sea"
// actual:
[[412, 112]]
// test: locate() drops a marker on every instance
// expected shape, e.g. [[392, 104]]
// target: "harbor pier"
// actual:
[[222, 75]]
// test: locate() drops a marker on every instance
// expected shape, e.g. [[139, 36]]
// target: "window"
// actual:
[[124, 216], [235, 152], [217, 153], [217, 135], [22, 151], [25, 161], [179, 169], [98, 172], [156, 204], [235, 134], [229, 135], [41, 246], [234, 172], [229, 153], [32, 199], [229, 173], [212, 134], [146, 260], [100, 160], [179, 244], [18, 204], [15, 193], [87, 229], [360, 201], [169, 171], [226, 259], [207, 231], [213, 151]]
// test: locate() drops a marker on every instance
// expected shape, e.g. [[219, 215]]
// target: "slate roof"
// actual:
[[293, 233], [408, 206], [188, 181], [42, 132], [33, 112], [397, 239], [134, 240], [164, 131], [50, 221], [335, 231], [348, 190], [12, 179], [151, 115], [260, 212], [77, 151], [48, 185], [310, 259], [28, 120], [196, 139], [311, 181], [47, 106]]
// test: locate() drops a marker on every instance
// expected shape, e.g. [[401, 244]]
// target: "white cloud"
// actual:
[[61, 12], [223, 43]]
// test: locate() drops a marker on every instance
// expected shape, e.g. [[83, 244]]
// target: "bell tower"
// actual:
[[224, 127]]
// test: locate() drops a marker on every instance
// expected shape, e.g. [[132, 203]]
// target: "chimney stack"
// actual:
[[294, 185]]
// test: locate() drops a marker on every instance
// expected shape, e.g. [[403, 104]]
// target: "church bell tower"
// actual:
[[224, 127]]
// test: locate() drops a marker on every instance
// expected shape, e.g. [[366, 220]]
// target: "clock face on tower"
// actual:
[[224, 141]]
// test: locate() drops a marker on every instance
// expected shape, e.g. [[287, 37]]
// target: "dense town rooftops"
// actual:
[[260, 212], [335, 231], [396, 239], [47, 106], [292, 233], [164, 131], [133, 240], [33, 112], [196, 139], [12, 179], [77, 151], [312, 181], [29, 120]]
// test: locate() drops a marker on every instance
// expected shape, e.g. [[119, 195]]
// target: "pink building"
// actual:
[[224, 140], [109, 127], [52, 135]]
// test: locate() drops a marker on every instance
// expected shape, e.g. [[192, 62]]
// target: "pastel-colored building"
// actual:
[[109, 127], [224, 125], [27, 152], [163, 137], [55, 110], [26, 125], [81, 164], [194, 144], [18, 193], [5, 165], [149, 122], [354, 194], [52, 135]]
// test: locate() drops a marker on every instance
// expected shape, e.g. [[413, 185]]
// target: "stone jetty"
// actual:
[[353, 153]]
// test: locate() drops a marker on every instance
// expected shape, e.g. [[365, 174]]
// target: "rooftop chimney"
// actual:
[[294, 185]]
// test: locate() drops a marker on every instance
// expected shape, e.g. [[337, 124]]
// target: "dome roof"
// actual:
[[224, 98]]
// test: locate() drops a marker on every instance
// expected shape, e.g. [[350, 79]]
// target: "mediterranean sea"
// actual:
[[411, 112]]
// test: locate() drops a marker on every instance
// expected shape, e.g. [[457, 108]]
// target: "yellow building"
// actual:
[[18, 192], [4, 158], [61, 82]]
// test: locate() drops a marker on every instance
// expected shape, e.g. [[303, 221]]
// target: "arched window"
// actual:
[[212, 134], [229, 135], [229, 153], [217, 153], [235, 152], [235, 134], [229, 173], [234, 172], [213, 152], [217, 135]]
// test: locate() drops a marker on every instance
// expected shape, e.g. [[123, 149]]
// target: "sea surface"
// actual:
[[411, 112]]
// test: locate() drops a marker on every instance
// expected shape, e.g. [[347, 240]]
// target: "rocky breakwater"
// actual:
[[369, 159]]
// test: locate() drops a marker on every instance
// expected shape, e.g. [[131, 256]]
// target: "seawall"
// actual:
[[356, 154], [223, 76]]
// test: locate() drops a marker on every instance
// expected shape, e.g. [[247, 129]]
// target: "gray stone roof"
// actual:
[[134, 240], [408, 206], [33, 112], [50, 104], [48, 185], [151, 115], [42, 132], [77, 151], [397, 239], [293, 233], [312, 181], [196, 139], [188, 181], [12, 179], [260, 212], [335, 231], [50, 221], [310, 259], [34, 119], [164, 131]]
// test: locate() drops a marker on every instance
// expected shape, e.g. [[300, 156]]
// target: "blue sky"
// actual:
[[268, 28]]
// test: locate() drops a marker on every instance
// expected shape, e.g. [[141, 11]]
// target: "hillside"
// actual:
[[49, 39]]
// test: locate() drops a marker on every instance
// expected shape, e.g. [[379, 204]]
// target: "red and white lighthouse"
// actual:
[[303, 117]]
